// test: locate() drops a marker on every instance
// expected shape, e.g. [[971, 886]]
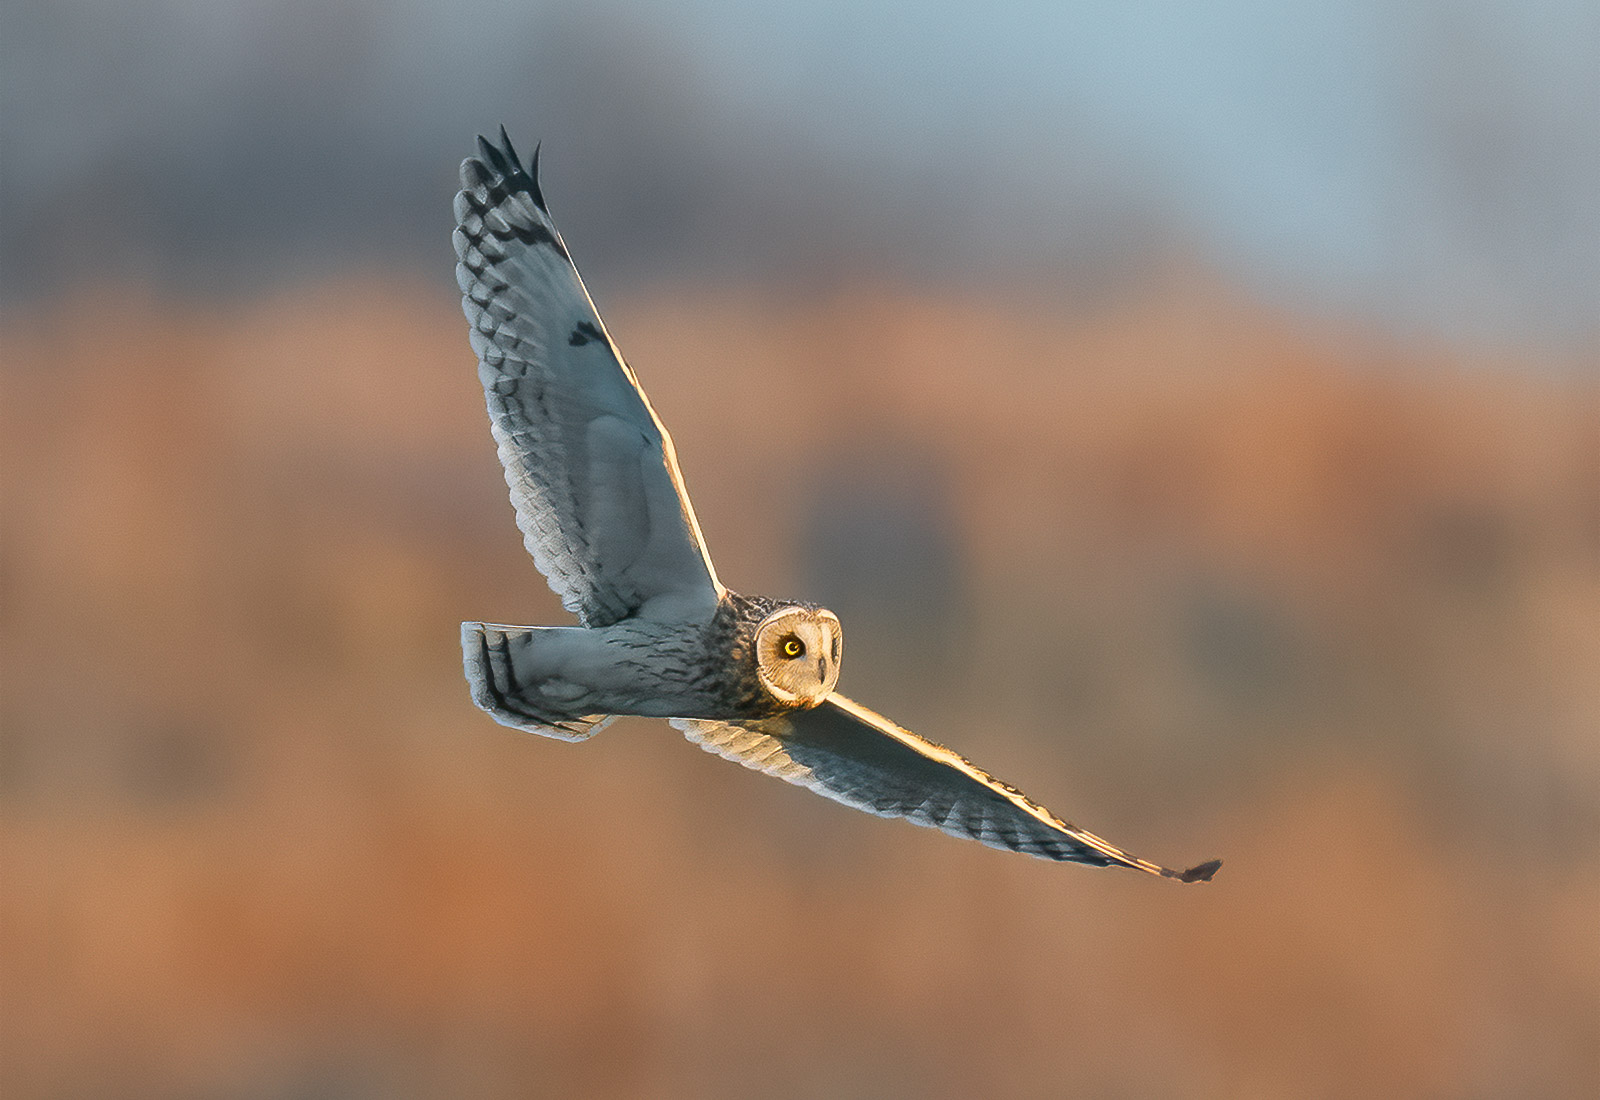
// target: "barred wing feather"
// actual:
[[845, 752], [592, 472]]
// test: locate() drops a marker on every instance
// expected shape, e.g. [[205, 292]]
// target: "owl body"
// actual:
[[567, 680]]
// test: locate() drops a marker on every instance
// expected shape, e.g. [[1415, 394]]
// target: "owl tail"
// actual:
[[493, 655]]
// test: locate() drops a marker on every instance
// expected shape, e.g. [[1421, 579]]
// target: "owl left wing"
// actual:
[[592, 471], [845, 752]]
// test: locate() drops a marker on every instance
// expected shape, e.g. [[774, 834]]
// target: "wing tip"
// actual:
[[502, 160], [1199, 873]]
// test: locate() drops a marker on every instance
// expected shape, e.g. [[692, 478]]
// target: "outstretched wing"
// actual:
[[592, 472], [848, 753]]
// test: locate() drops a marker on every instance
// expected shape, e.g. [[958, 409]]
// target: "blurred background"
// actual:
[[1193, 416]]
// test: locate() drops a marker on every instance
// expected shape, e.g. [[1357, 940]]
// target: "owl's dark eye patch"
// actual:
[[792, 647]]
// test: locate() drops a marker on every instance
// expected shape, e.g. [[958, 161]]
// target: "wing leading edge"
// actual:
[[843, 751]]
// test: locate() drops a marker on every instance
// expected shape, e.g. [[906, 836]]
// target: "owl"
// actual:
[[603, 510]]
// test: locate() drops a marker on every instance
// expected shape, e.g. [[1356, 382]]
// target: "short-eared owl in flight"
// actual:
[[603, 511]]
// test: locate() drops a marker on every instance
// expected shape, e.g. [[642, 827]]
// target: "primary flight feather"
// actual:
[[603, 510]]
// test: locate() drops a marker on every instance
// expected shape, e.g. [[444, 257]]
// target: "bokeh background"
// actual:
[[1193, 413]]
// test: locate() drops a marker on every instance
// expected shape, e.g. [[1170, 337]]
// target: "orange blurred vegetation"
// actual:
[[1216, 583]]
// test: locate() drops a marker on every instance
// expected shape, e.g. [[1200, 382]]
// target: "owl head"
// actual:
[[797, 654]]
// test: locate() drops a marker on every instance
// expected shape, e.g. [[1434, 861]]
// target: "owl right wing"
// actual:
[[593, 475], [845, 752]]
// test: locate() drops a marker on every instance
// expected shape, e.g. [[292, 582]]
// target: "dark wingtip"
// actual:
[[493, 157], [533, 178], [504, 160], [1202, 873]]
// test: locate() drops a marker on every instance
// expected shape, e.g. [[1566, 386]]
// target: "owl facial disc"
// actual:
[[797, 655]]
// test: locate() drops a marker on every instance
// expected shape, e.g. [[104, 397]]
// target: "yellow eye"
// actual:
[[793, 647]]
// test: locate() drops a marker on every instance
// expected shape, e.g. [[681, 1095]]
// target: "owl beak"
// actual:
[[822, 670]]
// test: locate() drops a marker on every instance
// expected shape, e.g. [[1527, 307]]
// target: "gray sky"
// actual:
[[1433, 166]]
